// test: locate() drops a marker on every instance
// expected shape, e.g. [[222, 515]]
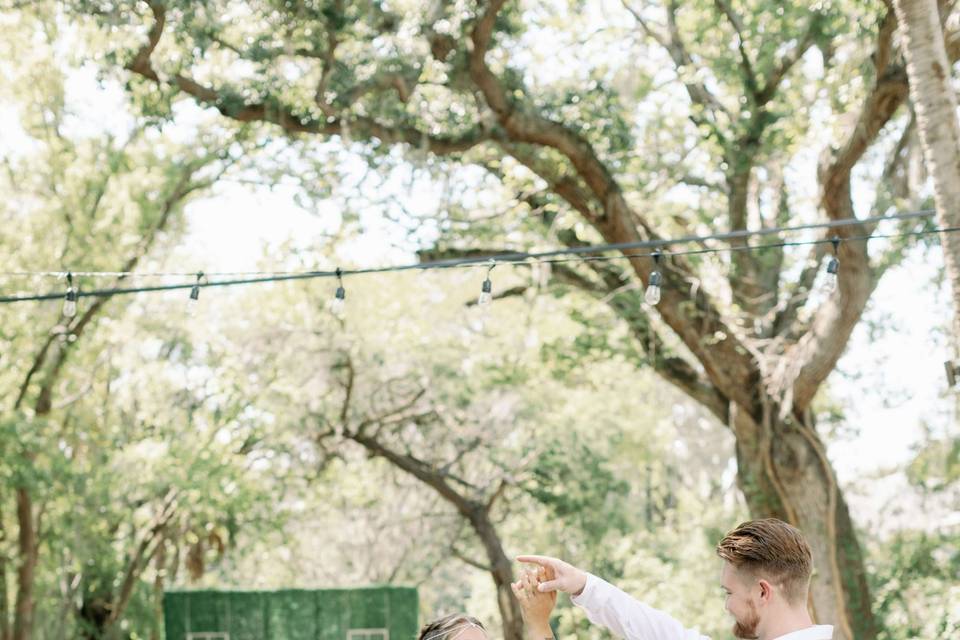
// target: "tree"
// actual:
[[494, 407], [33, 403], [935, 102], [446, 433], [101, 202], [474, 504], [444, 80]]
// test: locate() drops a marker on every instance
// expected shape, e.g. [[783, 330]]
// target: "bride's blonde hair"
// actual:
[[448, 627]]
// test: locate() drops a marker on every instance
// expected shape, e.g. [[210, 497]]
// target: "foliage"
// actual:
[[221, 444], [916, 582]]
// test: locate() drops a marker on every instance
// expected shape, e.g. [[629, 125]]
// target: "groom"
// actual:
[[766, 579]]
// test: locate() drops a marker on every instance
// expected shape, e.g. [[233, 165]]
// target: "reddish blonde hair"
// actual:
[[774, 550]]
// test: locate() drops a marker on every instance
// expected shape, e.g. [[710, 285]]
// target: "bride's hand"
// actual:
[[535, 605]]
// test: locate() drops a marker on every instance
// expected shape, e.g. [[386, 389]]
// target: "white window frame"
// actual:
[[208, 635], [382, 632]]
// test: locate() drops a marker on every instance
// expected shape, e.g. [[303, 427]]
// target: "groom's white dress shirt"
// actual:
[[630, 619]]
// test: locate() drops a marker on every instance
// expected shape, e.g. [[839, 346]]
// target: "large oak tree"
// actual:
[[597, 131]]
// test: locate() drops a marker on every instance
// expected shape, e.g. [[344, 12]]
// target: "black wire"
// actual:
[[751, 247], [541, 257]]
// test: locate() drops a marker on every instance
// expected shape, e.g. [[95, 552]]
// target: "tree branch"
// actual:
[[567, 187], [456, 553], [746, 66], [421, 470], [402, 83], [182, 189], [797, 295], [697, 91], [674, 369], [232, 105], [673, 45], [789, 59], [692, 384], [888, 93], [141, 556], [697, 181], [809, 362]]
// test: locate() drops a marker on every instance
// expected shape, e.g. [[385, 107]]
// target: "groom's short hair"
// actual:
[[773, 550]]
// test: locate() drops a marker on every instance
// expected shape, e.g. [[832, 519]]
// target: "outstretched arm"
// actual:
[[563, 576], [611, 607]]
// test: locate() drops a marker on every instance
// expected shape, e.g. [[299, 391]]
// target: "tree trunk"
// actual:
[[935, 104], [5, 630], [501, 569], [28, 551], [783, 472], [744, 279], [160, 564], [475, 512]]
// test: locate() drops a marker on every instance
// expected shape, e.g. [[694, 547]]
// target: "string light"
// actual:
[[830, 283], [583, 254], [486, 290], [338, 304], [70, 300], [194, 301], [652, 294]]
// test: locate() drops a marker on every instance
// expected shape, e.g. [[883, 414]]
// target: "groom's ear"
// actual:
[[766, 591]]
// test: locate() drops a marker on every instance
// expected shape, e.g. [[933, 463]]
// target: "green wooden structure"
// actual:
[[376, 613]]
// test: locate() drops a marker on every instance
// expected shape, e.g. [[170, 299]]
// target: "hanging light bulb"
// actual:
[[652, 294], [70, 300], [339, 302], [194, 301], [830, 284], [486, 291], [833, 267]]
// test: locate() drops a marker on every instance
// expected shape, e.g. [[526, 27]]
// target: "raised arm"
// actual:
[[535, 605], [611, 607]]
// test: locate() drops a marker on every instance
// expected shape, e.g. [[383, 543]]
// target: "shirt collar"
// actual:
[[816, 632]]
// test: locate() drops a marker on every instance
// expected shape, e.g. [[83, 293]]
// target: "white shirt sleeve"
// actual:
[[626, 616]]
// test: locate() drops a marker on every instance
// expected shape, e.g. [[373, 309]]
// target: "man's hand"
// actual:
[[566, 577], [535, 605]]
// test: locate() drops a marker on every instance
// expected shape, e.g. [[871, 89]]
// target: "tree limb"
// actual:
[[783, 66], [476, 564], [746, 66], [233, 106], [673, 45], [674, 369], [806, 365], [579, 200], [141, 557], [818, 351]]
